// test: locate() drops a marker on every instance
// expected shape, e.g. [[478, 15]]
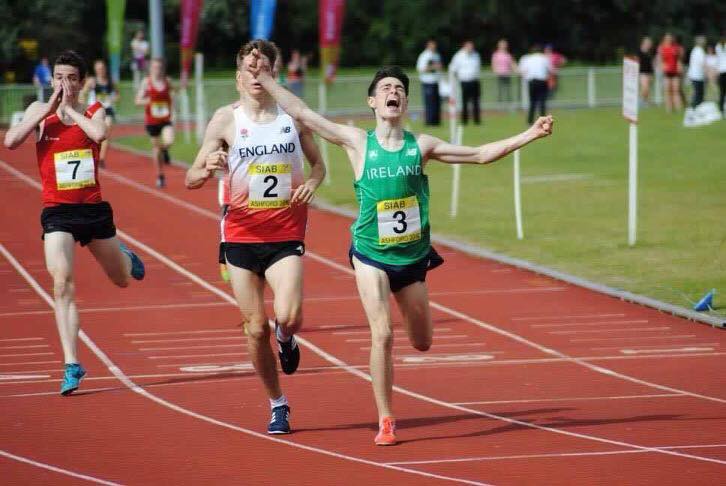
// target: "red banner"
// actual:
[[330, 25], [190, 11]]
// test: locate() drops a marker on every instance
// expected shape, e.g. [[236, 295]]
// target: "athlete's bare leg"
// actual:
[[156, 147], [248, 289], [374, 290], [114, 262], [286, 281], [59, 252], [167, 136], [413, 302]]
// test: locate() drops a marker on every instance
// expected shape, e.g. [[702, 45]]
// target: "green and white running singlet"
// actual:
[[393, 195]]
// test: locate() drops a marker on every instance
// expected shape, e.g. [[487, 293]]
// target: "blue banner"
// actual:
[[262, 18]]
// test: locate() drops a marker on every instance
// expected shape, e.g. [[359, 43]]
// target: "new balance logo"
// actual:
[[286, 130], [410, 152], [373, 154]]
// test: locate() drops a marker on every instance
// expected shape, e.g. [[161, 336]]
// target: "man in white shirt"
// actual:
[[466, 66], [535, 68], [721, 53], [696, 70], [428, 66]]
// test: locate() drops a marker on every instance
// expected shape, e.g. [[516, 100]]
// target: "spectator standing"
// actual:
[[41, 79], [466, 66], [535, 68], [557, 60], [645, 59], [697, 70], [669, 55], [429, 68], [711, 65], [503, 66], [139, 51], [296, 69], [721, 54]]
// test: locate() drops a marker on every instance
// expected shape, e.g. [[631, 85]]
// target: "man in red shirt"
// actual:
[[68, 136], [669, 55]]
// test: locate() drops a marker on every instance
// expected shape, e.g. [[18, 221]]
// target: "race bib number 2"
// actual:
[[399, 221], [270, 185], [74, 169]]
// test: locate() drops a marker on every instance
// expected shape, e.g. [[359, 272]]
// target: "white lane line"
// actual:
[[196, 339], [23, 363], [670, 350], [621, 338], [59, 470], [22, 339], [151, 307], [176, 348], [8, 377], [211, 355], [554, 454], [436, 338], [182, 365], [558, 317], [605, 331], [647, 346], [437, 345], [524, 290], [395, 331], [599, 323], [183, 333], [336, 361], [571, 399], [24, 354], [25, 313], [34, 346]]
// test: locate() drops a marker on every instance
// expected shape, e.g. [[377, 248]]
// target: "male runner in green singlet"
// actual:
[[391, 250]]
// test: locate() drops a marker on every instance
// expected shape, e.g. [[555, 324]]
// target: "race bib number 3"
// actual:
[[74, 169], [159, 109], [270, 185], [399, 221]]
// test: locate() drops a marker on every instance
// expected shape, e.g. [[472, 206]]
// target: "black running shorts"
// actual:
[[400, 276], [85, 222], [155, 130], [258, 257]]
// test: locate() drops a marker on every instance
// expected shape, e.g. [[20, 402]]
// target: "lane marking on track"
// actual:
[[7, 377], [465, 358], [395, 331], [600, 323], [647, 346], [56, 469], [217, 369], [26, 347], [204, 346], [185, 340], [590, 340], [209, 355], [571, 399], [25, 354], [123, 378], [558, 317], [407, 347], [435, 305], [553, 455], [184, 333], [671, 350], [25, 313], [605, 331], [436, 338], [23, 339], [22, 363]]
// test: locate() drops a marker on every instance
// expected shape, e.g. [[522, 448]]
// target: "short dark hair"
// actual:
[[267, 48], [388, 72], [72, 58]]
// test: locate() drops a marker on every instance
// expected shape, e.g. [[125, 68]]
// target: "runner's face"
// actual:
[[156, 69], [70, 74], [100, 69], [389, 100], [246, 81]]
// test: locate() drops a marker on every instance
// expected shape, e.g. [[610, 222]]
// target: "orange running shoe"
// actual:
[[386, 432]]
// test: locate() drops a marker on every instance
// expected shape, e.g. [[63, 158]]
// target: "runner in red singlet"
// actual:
[[261, 149], [68, 136], [155, 95], [669, 55]]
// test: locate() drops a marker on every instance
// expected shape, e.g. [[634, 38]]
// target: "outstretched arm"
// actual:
[[338, 134], [210, 157], [434, 148]]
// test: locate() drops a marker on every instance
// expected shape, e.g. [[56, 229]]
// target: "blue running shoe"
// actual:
[[72, 378], [137, 266], [280, 421]]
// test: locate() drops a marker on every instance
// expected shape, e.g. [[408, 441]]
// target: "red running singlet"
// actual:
[[158, 109]]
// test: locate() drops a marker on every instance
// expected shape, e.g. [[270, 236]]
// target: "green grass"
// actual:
[[580, 225]]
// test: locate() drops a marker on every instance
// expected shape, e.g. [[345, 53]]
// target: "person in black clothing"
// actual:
[[645, 57]]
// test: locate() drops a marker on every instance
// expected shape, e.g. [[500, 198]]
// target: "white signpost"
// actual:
[[631, 70]]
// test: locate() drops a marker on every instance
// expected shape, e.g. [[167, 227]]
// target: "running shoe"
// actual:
[[72, 378], [161, 181], [137, 266], [289, 354], [386, 432], [280, 421]]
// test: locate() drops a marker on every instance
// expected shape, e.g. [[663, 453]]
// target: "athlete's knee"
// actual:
[[257, 330], [290, 320], [63, 286], [382, 336]]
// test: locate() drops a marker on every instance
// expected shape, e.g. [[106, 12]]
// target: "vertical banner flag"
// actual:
[[190, 12], [114, 35], [262, 18], [330, 25]]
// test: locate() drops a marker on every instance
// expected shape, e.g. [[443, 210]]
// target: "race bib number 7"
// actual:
[[399, 221], [74, 169], [270, 185], [159, 109]]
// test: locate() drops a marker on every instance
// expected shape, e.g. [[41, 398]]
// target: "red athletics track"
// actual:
[[529, 380]]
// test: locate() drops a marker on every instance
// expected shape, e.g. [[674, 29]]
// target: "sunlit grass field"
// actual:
[[574, 194]]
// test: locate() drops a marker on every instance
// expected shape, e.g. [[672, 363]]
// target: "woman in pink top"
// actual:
[[504, 66]]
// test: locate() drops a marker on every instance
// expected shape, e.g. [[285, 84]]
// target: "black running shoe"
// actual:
[[280, 421], [161, 181], [289, 354]]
